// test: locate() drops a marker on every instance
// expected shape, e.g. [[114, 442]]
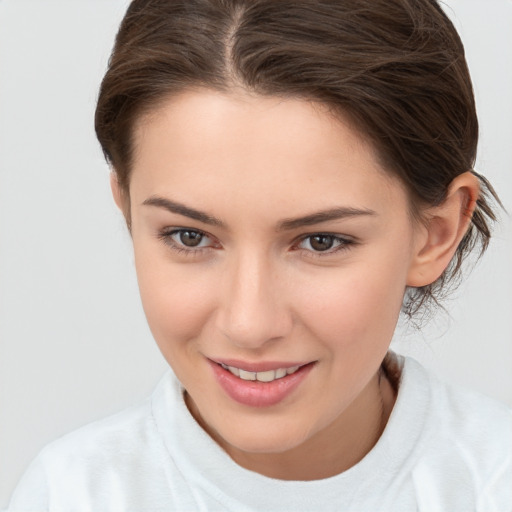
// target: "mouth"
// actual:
[[264, 376], [262, 384]]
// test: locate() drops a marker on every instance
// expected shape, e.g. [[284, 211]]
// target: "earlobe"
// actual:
[[444, 229]]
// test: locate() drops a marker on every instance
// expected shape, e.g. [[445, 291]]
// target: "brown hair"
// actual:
[[395, 68]]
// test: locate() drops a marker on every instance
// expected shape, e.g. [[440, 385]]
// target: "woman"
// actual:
[[293, 175]]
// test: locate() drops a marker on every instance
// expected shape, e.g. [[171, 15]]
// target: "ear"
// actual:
[[120, 197], [444, 228]]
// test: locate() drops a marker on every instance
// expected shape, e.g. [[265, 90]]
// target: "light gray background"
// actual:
[[74, 345]]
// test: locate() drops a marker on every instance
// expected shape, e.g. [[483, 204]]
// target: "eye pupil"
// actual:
[[190, 238], [321, 242]]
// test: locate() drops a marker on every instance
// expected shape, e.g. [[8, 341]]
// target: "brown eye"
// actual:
[[190, 238], [185, 240], [321, 242]]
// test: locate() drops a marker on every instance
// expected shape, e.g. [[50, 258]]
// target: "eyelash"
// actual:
[[166, 235], [343, 244]]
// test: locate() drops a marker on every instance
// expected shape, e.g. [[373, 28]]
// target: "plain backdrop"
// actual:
[[74, 345]]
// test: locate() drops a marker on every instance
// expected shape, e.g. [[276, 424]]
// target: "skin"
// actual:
[[257, 291]]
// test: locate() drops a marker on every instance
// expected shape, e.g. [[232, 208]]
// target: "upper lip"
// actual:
[[261, 366]]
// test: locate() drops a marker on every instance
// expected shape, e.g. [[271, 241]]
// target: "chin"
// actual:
[[262, 438]]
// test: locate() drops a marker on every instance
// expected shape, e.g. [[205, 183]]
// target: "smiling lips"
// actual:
[[259, 388], [266, 376]]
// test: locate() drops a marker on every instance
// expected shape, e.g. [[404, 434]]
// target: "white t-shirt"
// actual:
[[443, 449]]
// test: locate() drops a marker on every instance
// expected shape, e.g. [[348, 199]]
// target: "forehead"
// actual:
[[242, 146]]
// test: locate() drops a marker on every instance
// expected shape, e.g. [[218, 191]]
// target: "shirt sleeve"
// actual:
[[31, 493]]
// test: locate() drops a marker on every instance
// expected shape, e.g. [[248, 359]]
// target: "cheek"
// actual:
[[356, 307], [177, 300]]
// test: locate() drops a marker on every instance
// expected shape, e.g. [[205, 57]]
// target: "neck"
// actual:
[[336, 448]]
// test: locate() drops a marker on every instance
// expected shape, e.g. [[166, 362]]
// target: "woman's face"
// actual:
[[267, 238]]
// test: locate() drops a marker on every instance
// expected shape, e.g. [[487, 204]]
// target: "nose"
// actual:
[[253, 310]]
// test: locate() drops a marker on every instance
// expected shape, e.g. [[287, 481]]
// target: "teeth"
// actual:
[[234, 371], [267, 376], [247, 375], [291, 370], [280, 373]]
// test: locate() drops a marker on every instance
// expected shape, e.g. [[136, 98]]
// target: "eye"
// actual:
[[324, 243], [186, 240], [189, 238]]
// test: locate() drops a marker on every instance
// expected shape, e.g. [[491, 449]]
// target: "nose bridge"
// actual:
[[253, 311]]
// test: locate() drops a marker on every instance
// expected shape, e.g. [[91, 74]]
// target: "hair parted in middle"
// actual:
[[394, 69]]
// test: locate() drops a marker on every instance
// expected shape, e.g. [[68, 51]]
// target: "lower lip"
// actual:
[[259, 394]]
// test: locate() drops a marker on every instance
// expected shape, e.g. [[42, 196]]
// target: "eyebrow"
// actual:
[[323, 216], [284, 225], [186, 211]]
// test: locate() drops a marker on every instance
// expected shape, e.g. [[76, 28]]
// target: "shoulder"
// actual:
[[463, 415], [101, 459], [103, 438], [466, 443]]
